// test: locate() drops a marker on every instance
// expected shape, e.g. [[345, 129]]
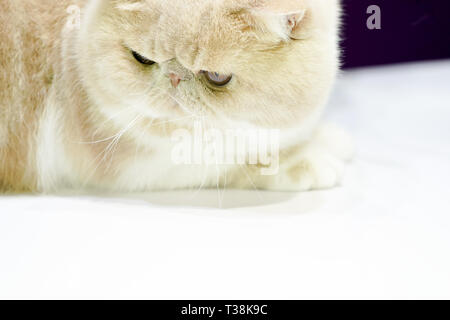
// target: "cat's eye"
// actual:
[[217, 79], [141, 59]]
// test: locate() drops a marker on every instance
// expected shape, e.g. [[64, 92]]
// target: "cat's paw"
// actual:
[[314, 170], [321, 163]]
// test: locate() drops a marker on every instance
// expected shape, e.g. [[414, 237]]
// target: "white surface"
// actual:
[[383, 234]]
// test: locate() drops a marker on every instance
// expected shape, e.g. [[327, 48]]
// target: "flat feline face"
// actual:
[[268, 63]]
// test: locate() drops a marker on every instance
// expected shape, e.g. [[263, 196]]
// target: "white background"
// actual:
[[384, 234]]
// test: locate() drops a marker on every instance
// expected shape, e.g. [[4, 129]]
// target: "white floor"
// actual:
[[384, 234]]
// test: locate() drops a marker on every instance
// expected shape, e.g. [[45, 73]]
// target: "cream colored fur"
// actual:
[[78, 111]]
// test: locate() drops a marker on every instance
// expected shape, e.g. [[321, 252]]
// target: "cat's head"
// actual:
[[265, 62]]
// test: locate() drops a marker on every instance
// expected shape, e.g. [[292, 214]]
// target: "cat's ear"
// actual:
[[287, 18]]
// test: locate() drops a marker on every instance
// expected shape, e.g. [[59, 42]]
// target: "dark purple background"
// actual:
[[410, 30]]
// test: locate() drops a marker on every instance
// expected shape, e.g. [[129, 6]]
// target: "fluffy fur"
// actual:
[[78, 111]]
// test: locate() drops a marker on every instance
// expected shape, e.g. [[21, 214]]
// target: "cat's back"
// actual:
[[29, 41], [29, 38]]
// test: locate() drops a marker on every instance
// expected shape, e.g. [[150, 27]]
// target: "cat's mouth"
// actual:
[[177, 104]]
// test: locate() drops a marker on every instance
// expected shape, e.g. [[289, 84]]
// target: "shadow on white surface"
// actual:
[[211, 199]]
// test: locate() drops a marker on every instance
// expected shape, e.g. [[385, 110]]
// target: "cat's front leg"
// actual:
[[317, 164]]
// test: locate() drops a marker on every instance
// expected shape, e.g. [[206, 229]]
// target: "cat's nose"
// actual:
[[175, 79]]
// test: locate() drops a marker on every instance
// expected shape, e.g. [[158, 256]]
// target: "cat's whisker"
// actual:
[[101, 127], [182, 106], [153, 124], [140, 139], [168, 121], [220, 197], [109, 147], [205, 169], [116, 139], [251, 181], [115, 142], [180, 103], [114, 116], [205, 174]]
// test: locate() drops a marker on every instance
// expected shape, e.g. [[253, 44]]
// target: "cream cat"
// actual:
[[96, 106]]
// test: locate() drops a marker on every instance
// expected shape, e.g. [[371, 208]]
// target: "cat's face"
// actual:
[[268, 63]]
